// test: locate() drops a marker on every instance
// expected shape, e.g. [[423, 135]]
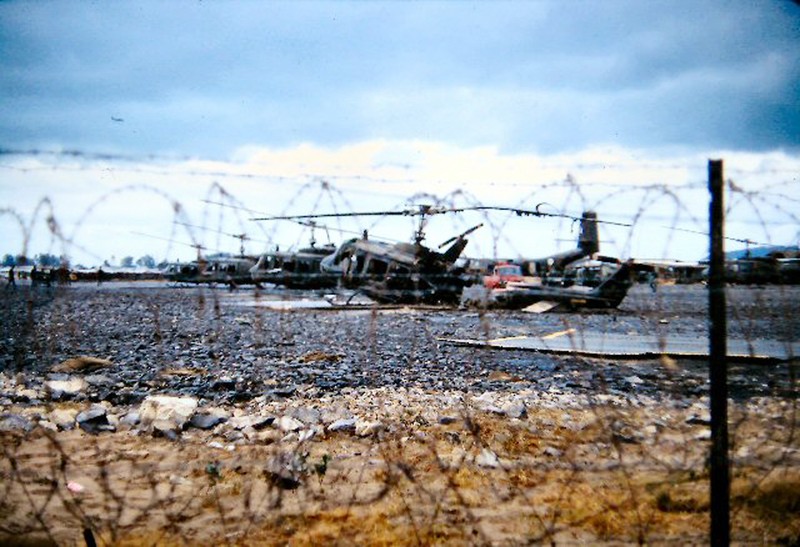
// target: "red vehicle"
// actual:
[[502, 274]]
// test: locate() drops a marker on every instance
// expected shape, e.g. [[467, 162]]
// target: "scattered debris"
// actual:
[[631, 346], [81, 364], [318, 356], [542, 306]]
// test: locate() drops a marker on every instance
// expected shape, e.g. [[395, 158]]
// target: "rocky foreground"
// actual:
[[145, 414]]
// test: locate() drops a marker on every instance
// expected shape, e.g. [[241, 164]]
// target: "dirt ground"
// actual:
[[596, 475]]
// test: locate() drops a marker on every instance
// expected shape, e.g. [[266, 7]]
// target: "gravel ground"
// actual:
[[224, 347]]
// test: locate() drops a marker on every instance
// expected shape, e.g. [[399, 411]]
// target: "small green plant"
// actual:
[[322, 467]]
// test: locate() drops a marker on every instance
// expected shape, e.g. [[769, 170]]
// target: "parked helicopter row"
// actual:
[[405, 273]]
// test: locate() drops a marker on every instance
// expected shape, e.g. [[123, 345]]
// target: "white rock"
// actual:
[[365, 429], [164, 410], [306, 435], [343, 425], [650, 431], [50, 426], [515, 409], [553, 452], [28, 394], [487, 458], [64, 418], [287, 424], [130, 419], [69, 387]]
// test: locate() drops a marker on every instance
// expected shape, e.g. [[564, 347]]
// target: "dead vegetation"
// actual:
[[553, 476]]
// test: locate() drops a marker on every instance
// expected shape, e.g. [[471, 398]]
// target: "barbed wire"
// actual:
[[389, 424]]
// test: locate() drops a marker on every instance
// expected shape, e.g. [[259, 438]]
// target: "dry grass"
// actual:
[[560, 476]]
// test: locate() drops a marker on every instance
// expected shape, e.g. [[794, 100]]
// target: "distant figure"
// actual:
[[99, 275], [34, 276], [12, 283]]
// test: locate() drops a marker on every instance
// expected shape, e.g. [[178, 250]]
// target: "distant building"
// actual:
[[762, 265]]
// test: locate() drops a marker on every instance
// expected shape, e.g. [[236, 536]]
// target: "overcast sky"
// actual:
[[237, 82]]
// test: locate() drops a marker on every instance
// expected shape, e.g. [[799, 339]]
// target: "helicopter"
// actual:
[[588, 245], [299, 269], [292, 269], [578, 278], [549, 269], [397, 273], [404, 273], [209, 270], [231, 271], [295, 270], [536, 297]]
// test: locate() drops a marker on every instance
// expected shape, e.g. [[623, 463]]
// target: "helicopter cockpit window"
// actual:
[[377, 267], [399, 269]]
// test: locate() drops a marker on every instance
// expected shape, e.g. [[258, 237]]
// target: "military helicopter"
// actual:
[[549, 269], [538, 298], [397, 273], [414, 273], [588, 245], [301, 269], [578, 278], [296, 269], [231, 271], [209, 269], [292, 269]]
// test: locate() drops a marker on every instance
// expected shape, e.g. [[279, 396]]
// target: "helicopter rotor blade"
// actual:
[[536, 213], [299, 221], [422, 210], [464, 234], [241, 237], [192, 245], [425, 210]]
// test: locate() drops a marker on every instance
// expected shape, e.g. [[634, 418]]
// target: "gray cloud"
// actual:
[[204, 78]]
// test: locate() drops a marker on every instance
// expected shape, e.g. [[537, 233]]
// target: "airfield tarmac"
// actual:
[[374, 387]]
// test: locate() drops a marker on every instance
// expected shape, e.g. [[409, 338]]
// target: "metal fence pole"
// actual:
[[718, 367]]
